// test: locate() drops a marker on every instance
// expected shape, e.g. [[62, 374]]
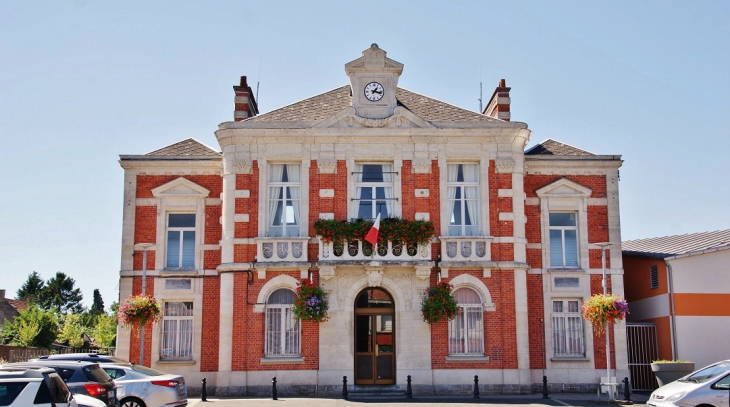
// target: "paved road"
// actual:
[[563, 399]]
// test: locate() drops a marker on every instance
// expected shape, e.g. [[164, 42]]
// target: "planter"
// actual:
[[671, 371]]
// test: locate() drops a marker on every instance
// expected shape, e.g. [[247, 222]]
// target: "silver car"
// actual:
[[139, 386], [708, 386]]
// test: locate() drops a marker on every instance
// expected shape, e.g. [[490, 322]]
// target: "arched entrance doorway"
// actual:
[[374, 337]]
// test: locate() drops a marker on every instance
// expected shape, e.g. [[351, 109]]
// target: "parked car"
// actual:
[[87, 357], [88, 401], [85, 378], [141, 386], [40, 387], [708, 386]]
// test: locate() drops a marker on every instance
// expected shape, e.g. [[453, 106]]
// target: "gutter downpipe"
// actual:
[[672, 322]]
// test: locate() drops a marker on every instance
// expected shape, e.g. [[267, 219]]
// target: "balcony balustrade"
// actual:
[[357, 250], [465, 248], [281, 249]]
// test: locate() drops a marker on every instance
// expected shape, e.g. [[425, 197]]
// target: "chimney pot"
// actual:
[[502, 84], [2, 295], [243, 81]]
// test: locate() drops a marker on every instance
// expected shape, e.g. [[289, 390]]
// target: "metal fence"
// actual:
[[642, 349]]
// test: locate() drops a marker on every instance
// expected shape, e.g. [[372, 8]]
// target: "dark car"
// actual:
[[81, 378], [87, 357]]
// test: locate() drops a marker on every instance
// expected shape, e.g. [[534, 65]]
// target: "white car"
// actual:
[[88, 401], [23, 387], [708, 386], [139, 386]]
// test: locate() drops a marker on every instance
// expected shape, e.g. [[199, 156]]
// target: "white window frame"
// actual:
[[469, 315], [276, 341], [181, 230], [476, 226], [183, 340], [567, 329], [356, 170], [563, 245], [297, 228]]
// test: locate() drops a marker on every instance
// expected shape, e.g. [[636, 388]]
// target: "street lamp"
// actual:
[[144, 247], [603, 247]]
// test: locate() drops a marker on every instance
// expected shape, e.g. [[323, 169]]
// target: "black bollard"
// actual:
[[409, 392], [204, 392], [274, 396], [544, 388], [476, 386], [344, 387], [627, 389]]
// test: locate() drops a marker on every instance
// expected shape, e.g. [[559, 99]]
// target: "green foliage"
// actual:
[[438, 303], [311, 302], [98, 306], [139, 310], [60, 293], [32, 289], [105, 331], [410, 232], [670, 361], [72, 331], [20, 331]]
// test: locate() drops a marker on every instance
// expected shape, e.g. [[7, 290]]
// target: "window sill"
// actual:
[[552, 269], [466, 358], [281, 359], [180, 270], [570, 359], [176, 362]]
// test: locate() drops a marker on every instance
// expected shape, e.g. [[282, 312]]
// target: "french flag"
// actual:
[[372, 235]]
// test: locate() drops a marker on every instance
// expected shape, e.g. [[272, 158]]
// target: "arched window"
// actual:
[[282, 328], [466, 331]]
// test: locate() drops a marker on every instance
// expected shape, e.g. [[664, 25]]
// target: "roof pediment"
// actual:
[[347, 118], [564, 188], [180, 188]]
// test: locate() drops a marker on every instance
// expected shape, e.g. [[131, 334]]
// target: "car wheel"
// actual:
[[132, 402]]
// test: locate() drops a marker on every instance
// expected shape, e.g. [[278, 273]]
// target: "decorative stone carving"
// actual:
[[375, 276], [243, 166], [505, 165], [423, 272], [327, 166], [365, 122], [326, 272], [405, 282], [421, 166]]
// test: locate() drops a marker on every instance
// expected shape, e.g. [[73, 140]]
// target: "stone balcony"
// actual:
[[357, 251], [281, 249], [465, 248]]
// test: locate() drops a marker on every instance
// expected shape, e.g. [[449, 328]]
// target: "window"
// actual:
[[284, 200], [282, 328], [567, 329], [466, 331], [374, 190], [180, 241], [654, 276], [563, 240], [177, 331], [462, 188]]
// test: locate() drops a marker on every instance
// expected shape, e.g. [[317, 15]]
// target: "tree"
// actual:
[[32, 288], [72, 331], [98, 306], [20, 331], [105, 331], [60, 293]]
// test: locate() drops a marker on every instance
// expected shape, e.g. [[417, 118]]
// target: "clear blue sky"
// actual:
[[83, 81]]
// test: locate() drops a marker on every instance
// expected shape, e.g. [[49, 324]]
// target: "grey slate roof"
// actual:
[[329, 103], [552, 147], [189, 147], [675, 245]]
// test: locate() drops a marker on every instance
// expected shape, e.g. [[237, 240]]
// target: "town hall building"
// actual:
[[228, 234]]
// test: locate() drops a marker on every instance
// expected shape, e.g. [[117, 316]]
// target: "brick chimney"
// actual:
[[2, 295], [498, 106], [245, 102]]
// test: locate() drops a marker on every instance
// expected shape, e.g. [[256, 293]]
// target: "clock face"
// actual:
[[374, 91]]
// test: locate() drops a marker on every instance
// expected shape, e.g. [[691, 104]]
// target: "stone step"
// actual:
[[377, 391]]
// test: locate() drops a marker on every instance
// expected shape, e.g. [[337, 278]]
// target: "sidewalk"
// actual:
[[560, 399]]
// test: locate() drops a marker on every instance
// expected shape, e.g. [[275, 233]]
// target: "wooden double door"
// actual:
[[374, 337]]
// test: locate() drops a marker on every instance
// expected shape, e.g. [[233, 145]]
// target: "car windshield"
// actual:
[[709, 372], [147, 371], [96, 374]]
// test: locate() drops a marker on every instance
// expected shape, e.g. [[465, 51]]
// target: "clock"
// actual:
[[374, 91]]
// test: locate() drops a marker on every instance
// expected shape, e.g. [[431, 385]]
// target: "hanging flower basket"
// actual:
[[311, 303], [601, 309], [138, 310], [438, 303]]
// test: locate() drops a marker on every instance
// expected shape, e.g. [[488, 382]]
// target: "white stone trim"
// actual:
[[326, 193], [422, 193], [469, 281], [242, 193], [280, 281]]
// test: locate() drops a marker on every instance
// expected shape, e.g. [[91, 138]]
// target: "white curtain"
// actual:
[[452, 172], [275, 173], [388, 188], [293, 172], [358, 189], [471, 174]]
